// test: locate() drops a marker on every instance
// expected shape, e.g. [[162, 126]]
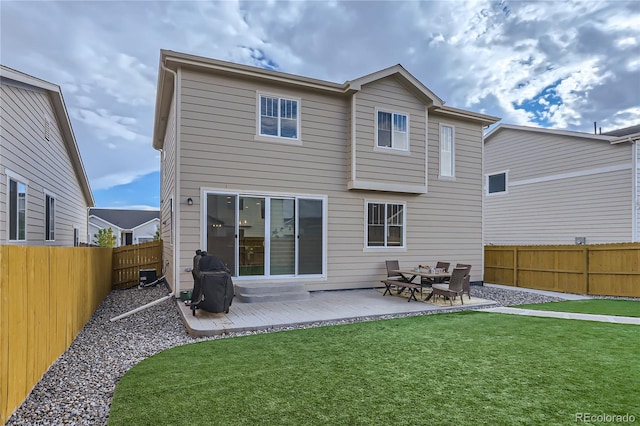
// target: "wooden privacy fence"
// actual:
[[47, 294], [595, 269], [129, 260]]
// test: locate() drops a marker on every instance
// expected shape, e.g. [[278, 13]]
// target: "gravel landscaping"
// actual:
[[79, 386]]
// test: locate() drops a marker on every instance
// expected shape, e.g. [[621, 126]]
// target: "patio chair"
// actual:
[[427, 282], [394, 279], [454, 288], [466, 285]]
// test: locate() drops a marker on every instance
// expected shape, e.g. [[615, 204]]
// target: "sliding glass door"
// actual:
[[282, 237], [220, 219], [267, 236], [310, 236], [251, 238]]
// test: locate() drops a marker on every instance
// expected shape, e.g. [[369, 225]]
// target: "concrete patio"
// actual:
[[321, 306]]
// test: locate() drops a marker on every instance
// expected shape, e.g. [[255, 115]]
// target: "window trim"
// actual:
[[453, 152], [48, 196], [11, 176], [277, 138], [367, 247], [506, 183], [391, 148]]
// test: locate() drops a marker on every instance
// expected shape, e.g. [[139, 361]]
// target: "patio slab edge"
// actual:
[[222, 330]]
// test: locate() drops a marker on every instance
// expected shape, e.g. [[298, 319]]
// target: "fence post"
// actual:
[[585, 251], [515, 266]]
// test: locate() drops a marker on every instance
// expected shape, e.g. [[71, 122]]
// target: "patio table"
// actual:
[[411, 274]]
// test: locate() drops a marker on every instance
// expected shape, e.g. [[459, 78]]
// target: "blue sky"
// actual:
[[558, 64], [141, 193]]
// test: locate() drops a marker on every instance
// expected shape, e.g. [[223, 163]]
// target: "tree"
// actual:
[[105, 238], [156, 236]]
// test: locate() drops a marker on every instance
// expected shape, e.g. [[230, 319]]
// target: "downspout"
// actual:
[[634, 186], [482, 179], [176, 192]]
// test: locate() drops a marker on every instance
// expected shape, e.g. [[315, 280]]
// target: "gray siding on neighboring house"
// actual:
[[168, 159], [559, 187], [382, 165], [45, 165], [219, 151]]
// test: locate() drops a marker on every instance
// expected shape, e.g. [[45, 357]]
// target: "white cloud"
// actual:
[[496, 57], [105, 124]]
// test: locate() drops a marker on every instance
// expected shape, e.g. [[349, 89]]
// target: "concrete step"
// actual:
[[270, 292]]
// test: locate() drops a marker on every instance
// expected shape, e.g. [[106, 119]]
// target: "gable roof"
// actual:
[[125, 219], [583, 135], [398, 71], [170, 61], [55, 94], [631, 130]]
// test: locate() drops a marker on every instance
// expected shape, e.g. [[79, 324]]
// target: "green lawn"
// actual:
[[448, 369], [625, 308]]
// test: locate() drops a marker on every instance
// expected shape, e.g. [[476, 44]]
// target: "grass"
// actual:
[[625, 308], [449, 369]]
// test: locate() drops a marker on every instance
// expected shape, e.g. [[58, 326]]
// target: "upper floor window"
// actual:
[[49, 218], [17, 210], [385, 225], [497, 183], [392, 130], [279, 117], [447, 151]]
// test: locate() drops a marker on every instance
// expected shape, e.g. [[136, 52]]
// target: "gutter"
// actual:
[[176, 193]]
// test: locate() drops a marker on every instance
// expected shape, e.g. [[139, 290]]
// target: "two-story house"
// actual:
[[295, 179], [44, 191], [550, 186]]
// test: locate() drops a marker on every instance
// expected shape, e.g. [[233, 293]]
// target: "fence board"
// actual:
[[129, 260], [47, 294], [602, 269]]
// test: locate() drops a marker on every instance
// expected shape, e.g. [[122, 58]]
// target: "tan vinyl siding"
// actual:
[[389, 166], [44, 164], [219, 152], [168, 159], [559, 188]]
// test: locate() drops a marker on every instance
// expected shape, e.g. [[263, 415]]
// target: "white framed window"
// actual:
[[278, 117], [385, 224], [17, 203], [447, 151], [497, 183], [392, 130], [49, 218]]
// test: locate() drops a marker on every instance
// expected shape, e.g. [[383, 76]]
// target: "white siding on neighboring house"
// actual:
[[145, 232], [45, 164], [559, 187]]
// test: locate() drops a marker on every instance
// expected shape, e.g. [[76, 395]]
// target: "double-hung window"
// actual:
[[17, 210], [392, 130], [49, 218], [385, 224], [447, 152], [279, 117]]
